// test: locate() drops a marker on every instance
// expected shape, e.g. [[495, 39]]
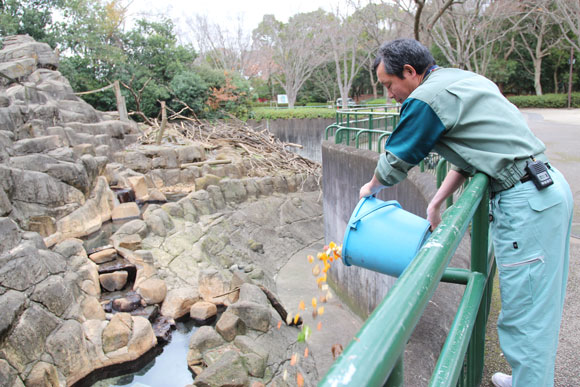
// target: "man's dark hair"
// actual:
[[397, 53]]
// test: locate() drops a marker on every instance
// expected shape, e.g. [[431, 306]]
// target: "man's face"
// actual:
[[398, 88]]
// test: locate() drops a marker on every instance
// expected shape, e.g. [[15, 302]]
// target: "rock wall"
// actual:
[[53, 145], [67, 313], [54, 148]]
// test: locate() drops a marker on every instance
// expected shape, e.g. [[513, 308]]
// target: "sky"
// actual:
[[227, 12]]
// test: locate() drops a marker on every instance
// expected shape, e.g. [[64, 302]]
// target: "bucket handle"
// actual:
[[353, 223]]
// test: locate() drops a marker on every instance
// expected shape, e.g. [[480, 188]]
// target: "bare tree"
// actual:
[[469, 32], [324, 79], [345, 36], [380, 22], [538, 37], [432, 10], [296, 48], [222, 48], [567, 16]]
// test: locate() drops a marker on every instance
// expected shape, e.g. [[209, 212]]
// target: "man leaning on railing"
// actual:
[[464, 117]]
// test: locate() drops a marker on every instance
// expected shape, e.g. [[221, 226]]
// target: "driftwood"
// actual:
[[207, 162], [279, 308], [273, 301], [263, 154], [226, 293]]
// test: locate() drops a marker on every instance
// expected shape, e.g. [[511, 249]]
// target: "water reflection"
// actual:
[[167, 369]]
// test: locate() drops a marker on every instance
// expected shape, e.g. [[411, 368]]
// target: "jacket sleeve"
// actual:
[[418, 131]]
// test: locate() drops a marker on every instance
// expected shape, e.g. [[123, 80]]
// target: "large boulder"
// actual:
[[202, 311], [228, 370], [12, 303], [118, 332], [26, 341], [178, 302], [23, 46], [212, 286], [229, 326], [55, 294], [9, 234], [203, 339], [152, 290], [67, 347], [254, 315]]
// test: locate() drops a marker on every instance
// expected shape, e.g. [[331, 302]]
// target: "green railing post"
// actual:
[[397, 376], [479, 263], [441, 173]]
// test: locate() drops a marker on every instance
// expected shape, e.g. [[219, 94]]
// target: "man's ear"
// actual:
[[409, 70]]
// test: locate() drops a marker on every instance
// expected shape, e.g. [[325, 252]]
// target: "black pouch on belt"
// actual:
[[538, 173]]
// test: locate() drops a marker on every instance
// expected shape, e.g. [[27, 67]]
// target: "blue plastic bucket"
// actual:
[[382, 237]]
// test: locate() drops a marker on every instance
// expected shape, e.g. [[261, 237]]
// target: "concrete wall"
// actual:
[[307, 132], [344, 171]]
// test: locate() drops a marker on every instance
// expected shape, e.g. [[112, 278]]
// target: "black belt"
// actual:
[[525, 178]]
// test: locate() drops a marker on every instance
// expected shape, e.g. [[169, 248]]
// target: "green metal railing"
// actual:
[[376, 356], [369, 128]]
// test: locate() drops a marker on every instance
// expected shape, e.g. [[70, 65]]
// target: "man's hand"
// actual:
[[452, 181], [370, 188], [433, 215]]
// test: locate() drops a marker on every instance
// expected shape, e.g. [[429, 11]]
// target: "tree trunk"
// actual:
[[373, 82], [417, 23], [537, 74]]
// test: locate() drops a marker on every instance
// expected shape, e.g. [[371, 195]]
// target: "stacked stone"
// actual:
[[58, 159], [53, 146], [52, 327]]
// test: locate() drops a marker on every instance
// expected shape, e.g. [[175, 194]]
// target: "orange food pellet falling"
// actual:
[[301, 305], [296, 318], [306, 352], [279, 324], [321, 310], [314, 302], [299, 379], [316, 270], [293, 359], [310, 258], [319, 326]]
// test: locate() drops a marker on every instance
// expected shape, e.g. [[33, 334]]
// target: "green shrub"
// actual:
[[319, 104], [545, 101], [286, 114], [190, 88]]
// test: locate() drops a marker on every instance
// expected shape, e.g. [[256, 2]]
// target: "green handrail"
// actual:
[[378, 350]]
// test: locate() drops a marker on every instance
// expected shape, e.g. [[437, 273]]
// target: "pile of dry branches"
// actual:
[[265, 154]]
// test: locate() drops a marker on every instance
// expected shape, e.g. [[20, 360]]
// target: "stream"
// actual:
[[169, 368], [165, 365]]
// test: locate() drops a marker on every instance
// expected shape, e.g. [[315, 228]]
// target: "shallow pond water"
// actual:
[[167, 369]]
